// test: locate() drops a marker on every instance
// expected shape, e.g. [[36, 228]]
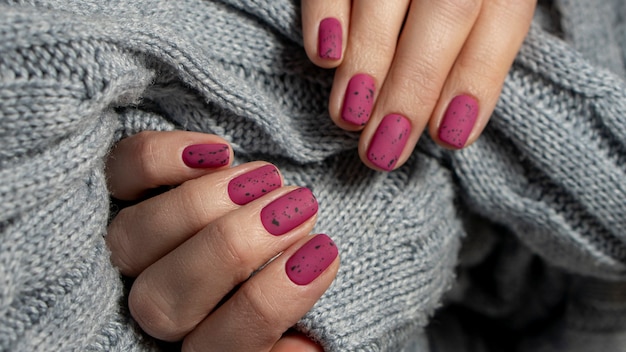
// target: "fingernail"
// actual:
[[310, 261], [289, 211], [359, 99], [458, 121], [389, 141], [329, 39], [245, 188], [206, 155]]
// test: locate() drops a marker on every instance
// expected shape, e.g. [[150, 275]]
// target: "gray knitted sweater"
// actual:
[[517, 243]]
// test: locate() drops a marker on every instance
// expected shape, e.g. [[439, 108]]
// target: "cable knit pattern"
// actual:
[[77, 76]]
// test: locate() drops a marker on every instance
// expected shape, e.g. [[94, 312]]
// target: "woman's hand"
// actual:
[[196, 249], [403, 65]]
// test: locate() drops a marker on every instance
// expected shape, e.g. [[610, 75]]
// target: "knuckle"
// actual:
[[456, 8], [227, 240], [119, 244], [523, 8], [479, 65], [263, 311], [149, 314], [376, 36], [419, 81], [192, 200], [146, 148]]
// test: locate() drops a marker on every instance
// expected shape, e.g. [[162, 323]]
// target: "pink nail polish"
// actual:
[[206, 155], [289, 211], [330, 39], [458, 121], [245, 188], [389, 141], [310, 261], [359, 99]]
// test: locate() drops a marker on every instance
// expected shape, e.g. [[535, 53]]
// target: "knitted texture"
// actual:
[[76, 76]]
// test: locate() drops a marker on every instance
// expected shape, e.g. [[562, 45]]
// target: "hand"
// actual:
[[194, 248], [402, 65]]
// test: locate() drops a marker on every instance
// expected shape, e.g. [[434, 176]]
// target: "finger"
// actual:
[[151, 159], [472, 89], [296, 342], [374, 29], [325, 26], [173, 295], [141, 234], [431, 40], [270, 302]]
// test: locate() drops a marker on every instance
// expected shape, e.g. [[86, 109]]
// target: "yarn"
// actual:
[[545, 183]]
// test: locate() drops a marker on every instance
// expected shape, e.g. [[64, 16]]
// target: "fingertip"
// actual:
[[326, 47], [207, 155], [352, 100], [386, 144], [330, 40], [325, 25], [458, 122], [313, 259]]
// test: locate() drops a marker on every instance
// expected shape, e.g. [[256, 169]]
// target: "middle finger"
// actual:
[[432, 38]]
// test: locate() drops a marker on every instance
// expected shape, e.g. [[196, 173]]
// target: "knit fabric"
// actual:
[[526, 228]]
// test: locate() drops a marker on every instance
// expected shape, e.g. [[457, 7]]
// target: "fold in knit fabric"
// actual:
[[539, 202]]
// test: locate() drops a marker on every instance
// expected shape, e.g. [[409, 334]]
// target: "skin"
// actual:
[[192, 252], [421, 54]]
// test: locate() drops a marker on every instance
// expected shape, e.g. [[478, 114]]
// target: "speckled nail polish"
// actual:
[[206, 155], [310, 261], [289, 211], [359, 99], [247, 187], [389, 141], [458, 121], [330, 37]]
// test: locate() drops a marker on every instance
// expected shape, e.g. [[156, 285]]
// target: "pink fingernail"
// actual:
[[310, 261], [206, 155], [329, 39], [359, 99], [289, 211], [458, 121], [389, 141], [245, 188]]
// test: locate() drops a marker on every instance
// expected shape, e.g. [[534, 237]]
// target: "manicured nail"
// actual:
[[289, 211], [329, 39], [245, 188], [359, 99], [206, 155], [389, 141], [310, 261], [458, 121]]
